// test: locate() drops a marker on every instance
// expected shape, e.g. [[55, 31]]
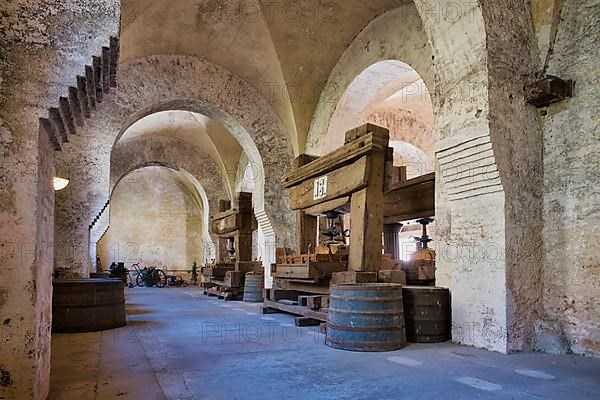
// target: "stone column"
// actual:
[[391, 240], [46, 43]]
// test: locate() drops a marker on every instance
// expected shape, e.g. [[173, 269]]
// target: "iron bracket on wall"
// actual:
[[548, 90]]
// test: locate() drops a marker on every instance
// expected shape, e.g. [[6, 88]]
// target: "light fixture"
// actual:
[[60, 183]]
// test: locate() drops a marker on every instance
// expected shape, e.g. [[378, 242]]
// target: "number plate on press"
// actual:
[[320, 190]]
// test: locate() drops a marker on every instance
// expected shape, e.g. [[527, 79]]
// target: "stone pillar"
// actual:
[[391, 240], [44, 48]]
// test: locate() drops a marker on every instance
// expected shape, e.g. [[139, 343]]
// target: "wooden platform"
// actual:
[[224, 293], [270, 307]]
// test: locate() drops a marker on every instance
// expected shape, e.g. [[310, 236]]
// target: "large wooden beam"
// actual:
[[339, 183], [412, 199], [370, 143], [342, 205]]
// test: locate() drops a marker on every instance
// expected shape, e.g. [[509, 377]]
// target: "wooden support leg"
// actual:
[[306, 232], [305, 321], [365, 235], [366, 218]]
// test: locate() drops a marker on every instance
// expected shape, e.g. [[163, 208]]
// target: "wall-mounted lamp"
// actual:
[[60, 183]]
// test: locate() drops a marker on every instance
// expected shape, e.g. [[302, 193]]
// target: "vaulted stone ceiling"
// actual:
[[196, 129], [286, 48]]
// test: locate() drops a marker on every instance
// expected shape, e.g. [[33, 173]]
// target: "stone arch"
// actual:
[[397, 37], [190, 183], [418, 151], [198, 86], [477, 151], [176, 154], [178, 82]]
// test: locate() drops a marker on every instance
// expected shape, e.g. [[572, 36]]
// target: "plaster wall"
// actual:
[[131, 154], [155, 220], [43, 46], [571, 277]]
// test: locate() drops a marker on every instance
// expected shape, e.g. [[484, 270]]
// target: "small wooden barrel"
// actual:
[[427, 314], [88, 305], [253, 288], [366, 317]]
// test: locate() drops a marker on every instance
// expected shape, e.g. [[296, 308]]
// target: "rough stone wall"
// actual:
[[154, 221], [43, 46], [571, 276], [131, 154], [160, 83], [484, 159], [85, 161], [513, 61]]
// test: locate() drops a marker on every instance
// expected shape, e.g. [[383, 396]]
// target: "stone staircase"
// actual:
[[103, 212], [98, 228], [72, 110]]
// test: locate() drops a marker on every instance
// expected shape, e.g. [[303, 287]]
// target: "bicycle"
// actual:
[[151, 276], [133, 276]]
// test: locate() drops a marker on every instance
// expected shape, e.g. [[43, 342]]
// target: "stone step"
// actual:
[[105, 69], [67, 114], [75, 106], [84, 100], [90, 85], [46, 125], [97, 66], [58, 124], [114, 60]]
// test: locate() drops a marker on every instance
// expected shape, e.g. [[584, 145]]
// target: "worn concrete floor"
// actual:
[[180, 344]]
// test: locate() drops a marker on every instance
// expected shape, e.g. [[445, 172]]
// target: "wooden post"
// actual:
[[243, 247], [224, 205], [306, 232], [222, 249], [366, 217]]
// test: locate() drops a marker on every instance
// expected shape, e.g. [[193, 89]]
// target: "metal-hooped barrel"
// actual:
[[427, 314], [253, 288], [87, 305], [366, 317]]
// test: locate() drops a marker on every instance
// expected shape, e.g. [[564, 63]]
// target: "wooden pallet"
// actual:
[[271, 307], [224, 293]]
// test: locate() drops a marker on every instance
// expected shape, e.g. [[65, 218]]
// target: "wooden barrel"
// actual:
[[427, 314], [366, 317], [253, 288], [87, 305]]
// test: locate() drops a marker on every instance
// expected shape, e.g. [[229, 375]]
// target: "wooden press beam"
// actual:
[[414, 198], [332, 205], [341, 182], [372, 142]]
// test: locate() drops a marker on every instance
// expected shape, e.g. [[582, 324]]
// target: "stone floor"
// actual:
[[179, 344]]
